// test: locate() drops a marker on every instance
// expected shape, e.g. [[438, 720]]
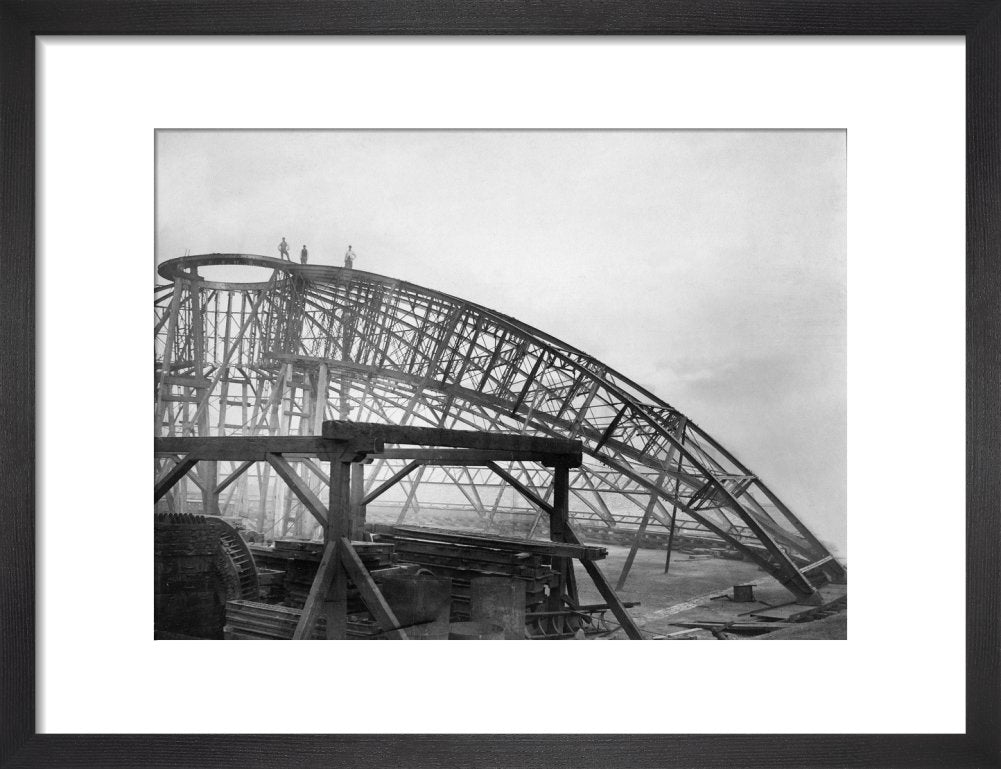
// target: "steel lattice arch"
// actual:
[[279, 356]]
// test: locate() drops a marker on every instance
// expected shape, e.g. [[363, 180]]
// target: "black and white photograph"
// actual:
[[500, 385], [573, 322]]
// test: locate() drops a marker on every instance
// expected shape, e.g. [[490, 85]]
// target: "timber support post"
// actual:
[[336, 603], [559, 527], [357, 530]]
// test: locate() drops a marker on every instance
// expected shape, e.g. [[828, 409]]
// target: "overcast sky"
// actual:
[[707, 266]]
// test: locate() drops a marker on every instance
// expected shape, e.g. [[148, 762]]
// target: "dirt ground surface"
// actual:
[[698, 588], [826, 629]]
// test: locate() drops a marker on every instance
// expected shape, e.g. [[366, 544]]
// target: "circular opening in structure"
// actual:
[[236, 274], [226, 271]]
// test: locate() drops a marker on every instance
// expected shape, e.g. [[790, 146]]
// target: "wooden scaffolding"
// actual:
[[347, 447]]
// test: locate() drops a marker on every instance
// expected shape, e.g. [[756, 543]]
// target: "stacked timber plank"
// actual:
[[253, 621], [271, 584], [250, 620], [464, 557], [296, 562], [299, 560]]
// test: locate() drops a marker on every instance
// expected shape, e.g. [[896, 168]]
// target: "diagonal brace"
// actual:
[[234, 475], [520, 487], [301, 490], [370, 593], [178, 471], [390, 482], [317, 594]]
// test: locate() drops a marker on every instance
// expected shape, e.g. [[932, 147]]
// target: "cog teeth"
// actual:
[[231, 543]]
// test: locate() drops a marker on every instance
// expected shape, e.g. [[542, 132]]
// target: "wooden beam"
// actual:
[[460, 457], [559, 523], [301, 490], [317, 594], [316, 470], [411, 495], [178, 471], [339, 496], [520, 488], [370, 594], [606, 591], [234, 475], [508, 544], [195, 381], [257, 447], [390, 482], [433, 436], [357, 507]]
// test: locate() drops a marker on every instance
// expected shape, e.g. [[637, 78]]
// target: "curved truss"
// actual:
[[317, 342]]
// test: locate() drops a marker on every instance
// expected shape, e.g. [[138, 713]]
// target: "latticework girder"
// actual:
[[314, 342]]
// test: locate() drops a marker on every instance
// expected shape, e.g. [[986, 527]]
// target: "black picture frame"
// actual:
[[978, 20]]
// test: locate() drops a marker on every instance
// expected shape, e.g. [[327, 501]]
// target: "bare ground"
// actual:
[[668, 598]]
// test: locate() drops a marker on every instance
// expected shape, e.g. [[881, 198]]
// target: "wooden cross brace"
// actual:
[[340, 561]]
